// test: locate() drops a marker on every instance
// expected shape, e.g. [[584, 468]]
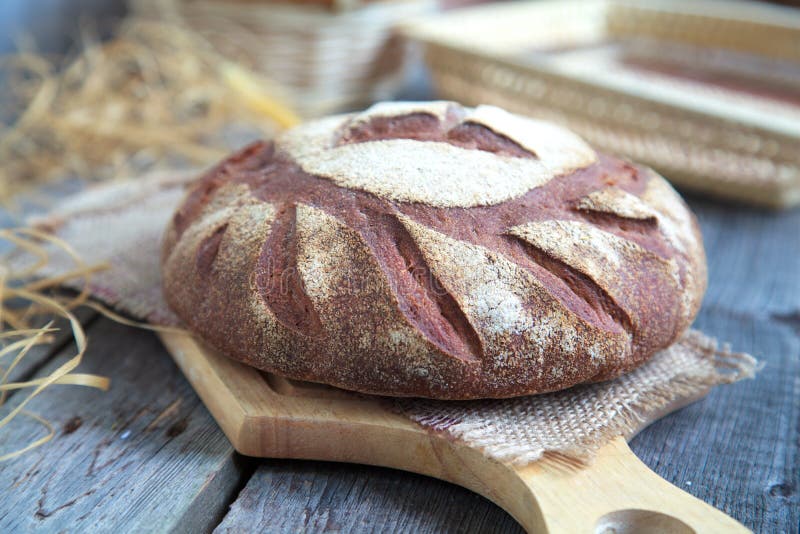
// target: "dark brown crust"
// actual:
[[453, 362]]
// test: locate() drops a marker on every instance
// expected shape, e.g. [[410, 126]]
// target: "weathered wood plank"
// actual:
[[753, 258], [737, 449], [145, 456], [296, 496]]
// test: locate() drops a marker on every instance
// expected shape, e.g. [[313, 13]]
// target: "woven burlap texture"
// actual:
[[123, 222]]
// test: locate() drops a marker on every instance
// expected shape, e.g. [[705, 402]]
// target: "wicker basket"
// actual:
[[741, 148], [326, 59]]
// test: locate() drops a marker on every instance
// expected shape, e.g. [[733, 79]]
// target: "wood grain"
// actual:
[[294, 496], [145, 456], [753, 259], [737, 450]]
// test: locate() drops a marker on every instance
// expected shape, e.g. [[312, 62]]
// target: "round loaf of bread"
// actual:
[[434, 250]]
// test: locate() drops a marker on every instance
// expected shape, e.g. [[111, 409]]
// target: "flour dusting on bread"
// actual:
[[401, 169]]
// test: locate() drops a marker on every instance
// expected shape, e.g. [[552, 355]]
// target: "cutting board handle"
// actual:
[[616, 493]]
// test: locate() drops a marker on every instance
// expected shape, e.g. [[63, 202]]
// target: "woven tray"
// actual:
[[727, 123], [327, 60]]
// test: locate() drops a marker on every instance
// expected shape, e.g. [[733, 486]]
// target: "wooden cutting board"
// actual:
[[268, 416]]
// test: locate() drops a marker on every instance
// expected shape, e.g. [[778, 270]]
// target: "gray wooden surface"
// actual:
[[146, 456]]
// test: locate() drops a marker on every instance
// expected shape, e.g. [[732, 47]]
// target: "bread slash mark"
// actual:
[[278, 280], [208, 250], [607, 221], [581, 285], [423, 300]]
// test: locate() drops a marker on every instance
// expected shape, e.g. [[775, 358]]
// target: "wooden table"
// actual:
[[148, 456]]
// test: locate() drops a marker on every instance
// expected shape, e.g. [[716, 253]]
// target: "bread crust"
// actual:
[[435, 251]]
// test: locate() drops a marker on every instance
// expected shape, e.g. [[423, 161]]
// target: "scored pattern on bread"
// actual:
[[455, 145], [604, 259], [615, 201], [398, 285]]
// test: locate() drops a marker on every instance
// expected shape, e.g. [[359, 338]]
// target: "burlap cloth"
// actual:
[[122, 223]]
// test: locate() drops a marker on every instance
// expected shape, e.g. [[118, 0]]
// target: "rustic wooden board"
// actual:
[[718, 437], [268, 416], [144, 456], [741, 460]]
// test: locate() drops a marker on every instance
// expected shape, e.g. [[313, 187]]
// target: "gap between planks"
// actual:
[[118, 461]]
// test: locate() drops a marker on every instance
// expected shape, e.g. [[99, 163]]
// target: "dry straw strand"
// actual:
[[15, 288], [155, 96]]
